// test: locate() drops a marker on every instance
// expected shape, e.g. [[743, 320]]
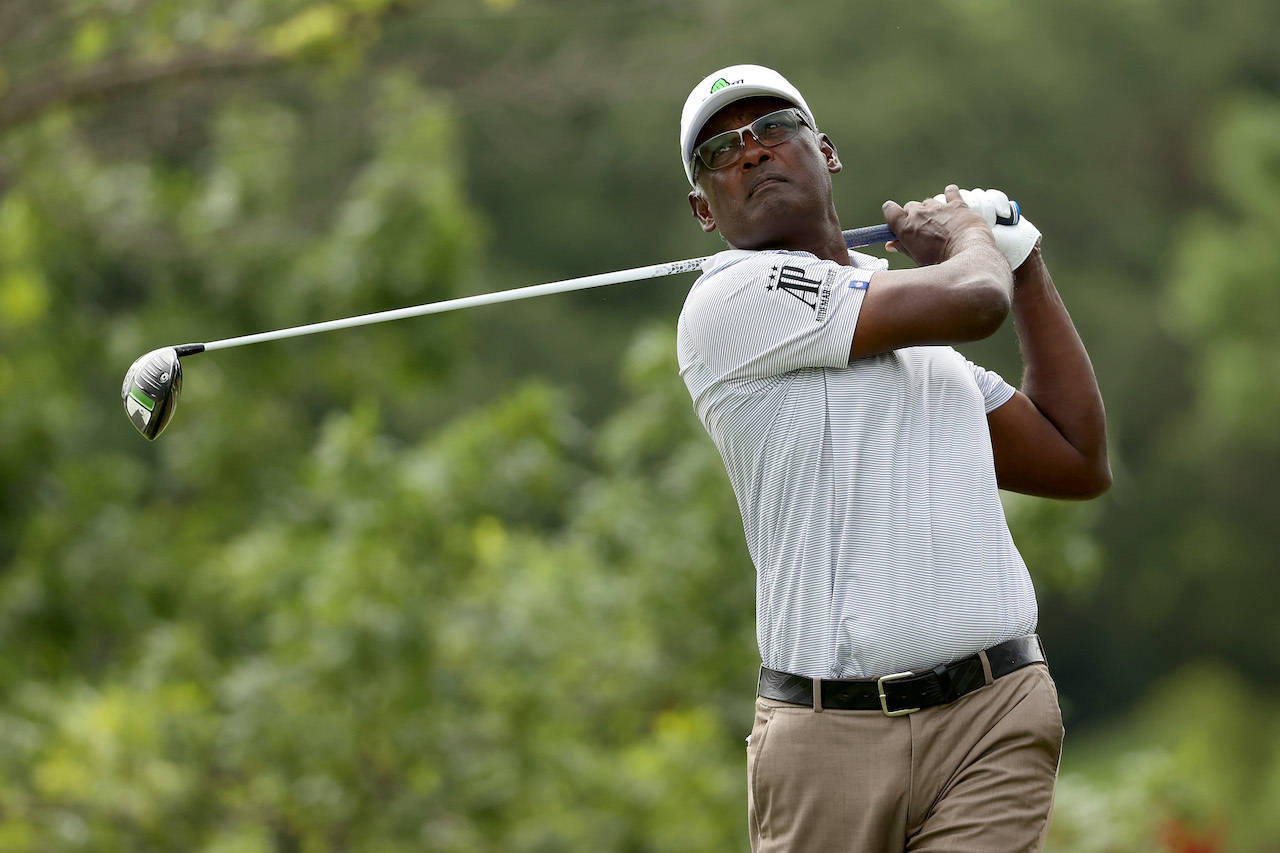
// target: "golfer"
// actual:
[[904, 702]]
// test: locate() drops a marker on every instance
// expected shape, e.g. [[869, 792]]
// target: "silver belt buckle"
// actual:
[[884, 705]]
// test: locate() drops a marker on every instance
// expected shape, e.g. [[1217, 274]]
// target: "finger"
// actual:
[[1003, 208], [893, 212], [897, 248], [953, 193]]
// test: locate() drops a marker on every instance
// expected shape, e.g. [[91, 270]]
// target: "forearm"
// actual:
[[1058, 376], [981, 261], [978, 286], [959, 291], [964, 298]]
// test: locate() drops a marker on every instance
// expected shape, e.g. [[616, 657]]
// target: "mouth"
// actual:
[[766, 181]]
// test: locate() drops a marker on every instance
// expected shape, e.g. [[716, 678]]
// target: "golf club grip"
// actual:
[[869, 235], [853, 238]]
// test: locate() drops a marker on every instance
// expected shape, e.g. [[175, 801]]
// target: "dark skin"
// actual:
[[1049, 439], [773, 197]]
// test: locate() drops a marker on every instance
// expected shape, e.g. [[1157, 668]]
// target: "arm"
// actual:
[[1050, 439], [960, 292]]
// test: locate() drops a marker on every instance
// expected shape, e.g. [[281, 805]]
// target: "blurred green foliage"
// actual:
[[477, 581], [1189, 768]]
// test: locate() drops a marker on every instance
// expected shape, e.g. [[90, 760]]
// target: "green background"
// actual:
[[477, 581]]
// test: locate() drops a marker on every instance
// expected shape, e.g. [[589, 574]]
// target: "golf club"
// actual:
[[153, 382]]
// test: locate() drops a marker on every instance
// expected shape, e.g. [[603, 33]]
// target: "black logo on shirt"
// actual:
[[813, 292]]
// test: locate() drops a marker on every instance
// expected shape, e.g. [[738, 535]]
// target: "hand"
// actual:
[[934, 230], [1015, 239]]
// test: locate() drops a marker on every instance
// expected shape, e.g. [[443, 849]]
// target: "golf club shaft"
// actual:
[[853, 238]]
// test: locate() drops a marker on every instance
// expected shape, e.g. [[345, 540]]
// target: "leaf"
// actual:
[[313, 28], [91, 40]]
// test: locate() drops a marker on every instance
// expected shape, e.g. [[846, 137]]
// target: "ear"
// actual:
[[702, 211], [829, 153]]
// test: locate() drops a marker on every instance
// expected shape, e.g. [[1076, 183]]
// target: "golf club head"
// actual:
[[150, 391]]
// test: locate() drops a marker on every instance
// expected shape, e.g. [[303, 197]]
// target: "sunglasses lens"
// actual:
[[720, 150], [723, 149], [775, 128]]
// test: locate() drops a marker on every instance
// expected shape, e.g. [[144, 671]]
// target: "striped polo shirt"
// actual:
[[867, 489]]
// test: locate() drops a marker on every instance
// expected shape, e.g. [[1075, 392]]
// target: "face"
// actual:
[[770, 197]]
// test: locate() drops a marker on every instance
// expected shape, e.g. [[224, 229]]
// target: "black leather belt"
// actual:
[[902, 692]]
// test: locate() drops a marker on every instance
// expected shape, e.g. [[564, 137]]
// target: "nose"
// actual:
[[753, 153]]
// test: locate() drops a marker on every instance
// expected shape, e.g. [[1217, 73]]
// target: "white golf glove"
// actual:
[[1014, 233]]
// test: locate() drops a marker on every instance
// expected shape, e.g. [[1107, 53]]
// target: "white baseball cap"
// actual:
[[724, 87]]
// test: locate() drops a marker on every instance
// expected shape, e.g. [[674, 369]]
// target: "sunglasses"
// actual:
[[725, 149]]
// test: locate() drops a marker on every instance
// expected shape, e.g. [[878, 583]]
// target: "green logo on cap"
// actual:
[[718, 85]]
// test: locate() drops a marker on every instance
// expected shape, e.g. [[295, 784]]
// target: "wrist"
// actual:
[[1031, 268], [974, 237]]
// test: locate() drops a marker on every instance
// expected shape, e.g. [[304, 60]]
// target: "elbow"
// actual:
[[989, 303], [981, 293], [1101, 481], [1092, 483]]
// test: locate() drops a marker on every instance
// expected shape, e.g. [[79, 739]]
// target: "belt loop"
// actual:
[[817, 695], [944, 682], [986, 667]]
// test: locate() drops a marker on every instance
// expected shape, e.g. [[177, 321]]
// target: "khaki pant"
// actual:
[[975, 775]]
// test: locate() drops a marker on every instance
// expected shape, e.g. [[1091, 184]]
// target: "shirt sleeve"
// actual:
[[767, 313], [995, 391]]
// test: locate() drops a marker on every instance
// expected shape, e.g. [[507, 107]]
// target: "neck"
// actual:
[[823, 238], [831, 246]]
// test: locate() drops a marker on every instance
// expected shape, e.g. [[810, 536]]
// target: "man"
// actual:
[[904, 702]]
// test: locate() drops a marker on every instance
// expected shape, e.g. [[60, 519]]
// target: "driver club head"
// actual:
[[150, 391]]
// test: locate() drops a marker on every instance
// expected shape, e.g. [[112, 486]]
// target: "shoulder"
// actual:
[[729, 281], [871, 263], [725, 272], [738, 273]]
